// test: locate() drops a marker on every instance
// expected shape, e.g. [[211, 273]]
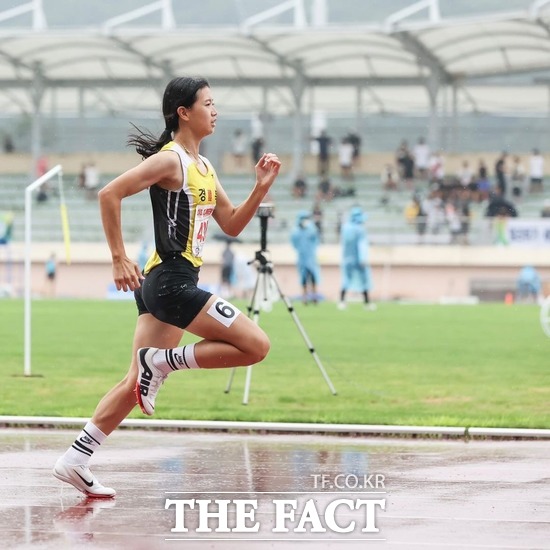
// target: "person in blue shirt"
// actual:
[[305, 240], [356, 273]]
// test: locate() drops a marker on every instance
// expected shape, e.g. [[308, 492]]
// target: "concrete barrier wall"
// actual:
[[411, 272]]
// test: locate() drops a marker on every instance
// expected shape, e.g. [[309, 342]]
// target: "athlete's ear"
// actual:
[[183, 113]]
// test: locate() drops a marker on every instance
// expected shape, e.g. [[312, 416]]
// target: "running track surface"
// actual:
[[437, 493]]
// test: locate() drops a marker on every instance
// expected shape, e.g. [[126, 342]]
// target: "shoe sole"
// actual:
[[138, 392], [140, 402], [70, 482]]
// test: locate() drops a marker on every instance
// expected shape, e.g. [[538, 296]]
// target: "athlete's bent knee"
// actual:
[[257, 348]]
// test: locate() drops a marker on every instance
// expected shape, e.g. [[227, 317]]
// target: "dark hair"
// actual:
[[180, 92]]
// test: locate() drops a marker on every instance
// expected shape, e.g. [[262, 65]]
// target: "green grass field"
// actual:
[[485, 365]]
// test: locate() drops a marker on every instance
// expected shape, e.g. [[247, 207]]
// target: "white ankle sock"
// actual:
[[182, 358], [88, 441]]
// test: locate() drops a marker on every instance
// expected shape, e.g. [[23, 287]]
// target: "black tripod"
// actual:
[[265, 289]]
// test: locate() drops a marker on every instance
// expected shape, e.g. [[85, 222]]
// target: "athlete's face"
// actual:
[[203, 114]]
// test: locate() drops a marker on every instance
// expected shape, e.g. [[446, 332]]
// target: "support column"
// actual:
[[454, 125], [359, 119], [264, 115], [434, 139], [298, 88], [37, 93], [81, 111]]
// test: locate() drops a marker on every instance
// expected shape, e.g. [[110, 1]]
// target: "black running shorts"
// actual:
[[170, 293]]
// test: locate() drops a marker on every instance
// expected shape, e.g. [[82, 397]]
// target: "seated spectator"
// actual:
[[299, 188], [9, 146], [325, 189], [500, 207], [545, 212], [436, 168], [389, 178], [415, 214]]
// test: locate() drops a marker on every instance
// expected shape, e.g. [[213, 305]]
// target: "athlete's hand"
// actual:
[[267, 170], [126, 274]]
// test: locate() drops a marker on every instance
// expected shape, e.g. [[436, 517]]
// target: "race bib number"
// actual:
[[200, 227], [223, 311]]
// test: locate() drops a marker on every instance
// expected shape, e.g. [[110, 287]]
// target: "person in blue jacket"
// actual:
[[528, 284], [356, 273], [305, 240]]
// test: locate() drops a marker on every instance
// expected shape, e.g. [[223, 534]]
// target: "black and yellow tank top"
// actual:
[[180, 218]]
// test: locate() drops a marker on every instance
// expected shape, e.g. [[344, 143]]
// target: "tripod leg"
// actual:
[[252, 306], [255, 317], [290, 309], [230, 381], [247, 384]]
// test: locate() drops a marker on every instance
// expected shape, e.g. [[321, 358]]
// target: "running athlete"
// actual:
[[185, 194]]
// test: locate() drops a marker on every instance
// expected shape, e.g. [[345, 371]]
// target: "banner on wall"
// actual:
[[525, 232]]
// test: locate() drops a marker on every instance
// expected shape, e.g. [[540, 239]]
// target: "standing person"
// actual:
[[355, 139], [355, 257], [421, 155], [405, 164], [256, 147], [500, 174], [51, 271], [536, 172], [41, 165], [345, 158], [185, 193], [228, 261], [389, 178], [325, 144], [483, 182], [517, 177], [305, 240], [91, 180], [239, 148]]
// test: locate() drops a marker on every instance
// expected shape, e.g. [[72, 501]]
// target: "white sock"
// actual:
[[88, 441], [176, 359]]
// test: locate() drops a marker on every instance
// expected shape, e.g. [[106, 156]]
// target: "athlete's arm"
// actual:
[[233, 219], [162, 167]]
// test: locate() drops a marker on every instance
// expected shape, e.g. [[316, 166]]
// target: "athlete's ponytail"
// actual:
[[180, 92]]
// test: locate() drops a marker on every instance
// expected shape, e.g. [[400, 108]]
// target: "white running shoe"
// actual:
[[371, 307], [149, 380], [342, 305], [82, 479]]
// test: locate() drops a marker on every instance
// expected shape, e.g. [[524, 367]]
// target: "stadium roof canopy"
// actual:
[[289, 59]]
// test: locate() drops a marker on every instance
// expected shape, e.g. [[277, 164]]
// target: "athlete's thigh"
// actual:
[[221, 320]]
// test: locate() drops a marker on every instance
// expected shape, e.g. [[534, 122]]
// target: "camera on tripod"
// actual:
[[266, 292], [266, 210]]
